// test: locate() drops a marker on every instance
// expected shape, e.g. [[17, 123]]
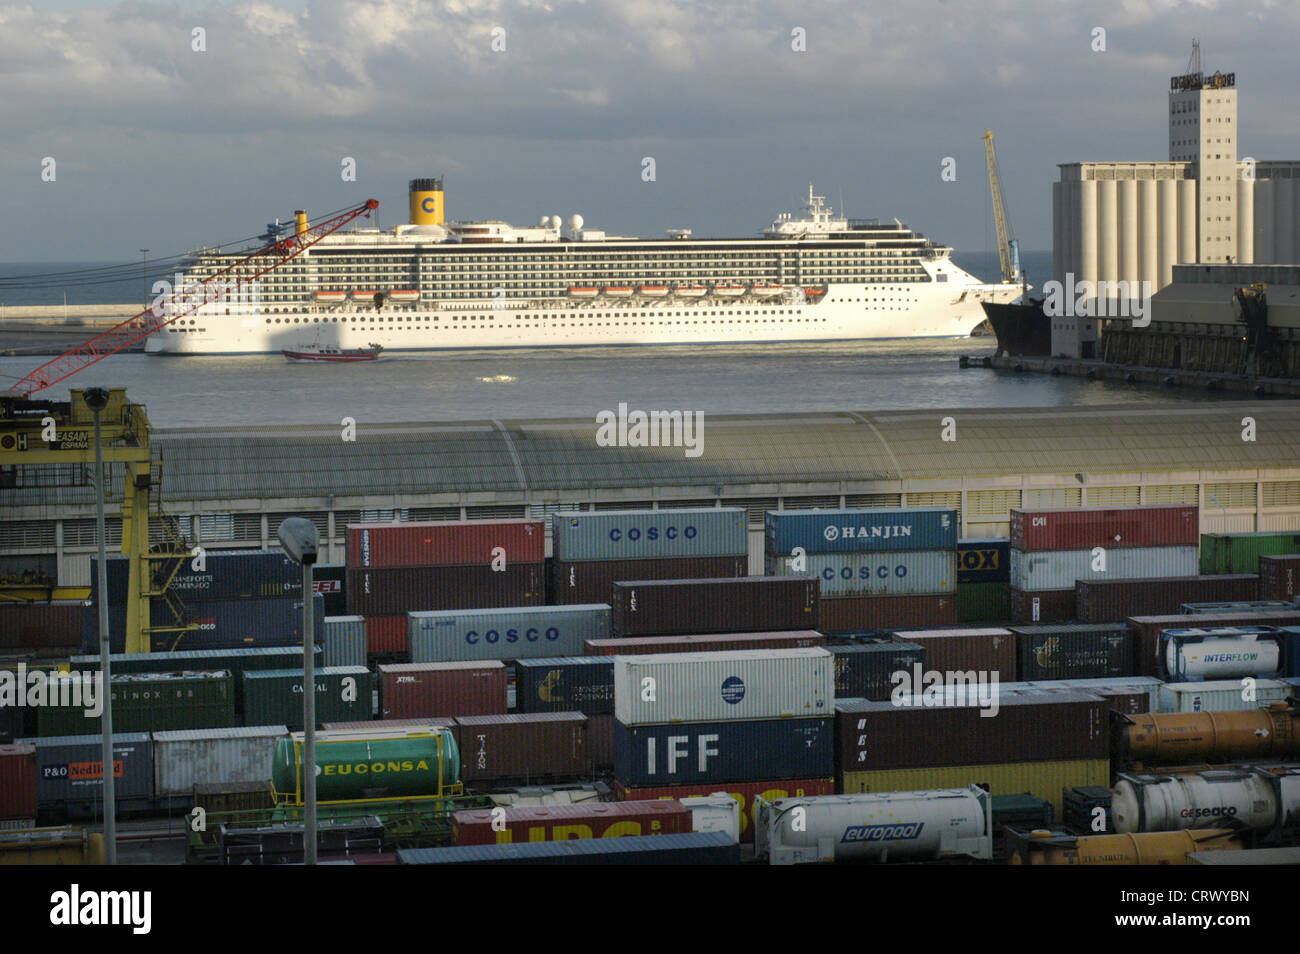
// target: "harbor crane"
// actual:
[[1008, 248]]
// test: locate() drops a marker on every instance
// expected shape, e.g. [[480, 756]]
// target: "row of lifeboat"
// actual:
[[720, 290], [366, 295]]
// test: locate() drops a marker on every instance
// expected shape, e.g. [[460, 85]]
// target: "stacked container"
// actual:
[[1052, 549], [18, 781], [1240, 552], [877, 568], [989, 649], [573, 684], [421, 690], [522, 632], [274, 696], [42, 629], [142, 702], [707, 642], [742, 605], [983, 581], [593, 551], [1147, 630], [1111, 600], [1279, 577], [1074, 651], [692, 722], [400, 568]]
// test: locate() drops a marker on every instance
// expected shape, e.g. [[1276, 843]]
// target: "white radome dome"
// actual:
[[575, 222]]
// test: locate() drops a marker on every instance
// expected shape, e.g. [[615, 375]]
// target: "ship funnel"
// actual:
[[426, 202], [299, 221]]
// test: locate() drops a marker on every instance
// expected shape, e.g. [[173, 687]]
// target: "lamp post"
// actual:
[[97, 399], [299, 539]]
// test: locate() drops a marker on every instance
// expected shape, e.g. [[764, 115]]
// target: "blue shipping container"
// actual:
[[649, 534], [1290, 649], [909, 573], [983, 561], [70, 771], [525, 632], [860, 531], [716, 752], [866, 670], [565, 684], [222, 624], [226, 575], [696, 848]]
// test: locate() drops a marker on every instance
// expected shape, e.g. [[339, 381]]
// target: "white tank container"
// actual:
[[1263, 802], [1223, 695], [875, 827], [719, 812], [1192, 654]]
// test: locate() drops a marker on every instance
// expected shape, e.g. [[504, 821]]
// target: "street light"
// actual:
[[97, 399], [299, 539]]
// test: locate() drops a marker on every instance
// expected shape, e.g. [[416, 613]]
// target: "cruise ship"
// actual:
[[432, 285]]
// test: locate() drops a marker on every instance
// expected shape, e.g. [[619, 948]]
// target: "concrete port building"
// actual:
[[231, 486]]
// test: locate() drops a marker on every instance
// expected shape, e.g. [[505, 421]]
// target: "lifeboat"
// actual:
[[728, 290], [404, 294], [691, 291], [583, 291], [618, 291], [766, 290], [331, 297], [364, 294], [652, 291]]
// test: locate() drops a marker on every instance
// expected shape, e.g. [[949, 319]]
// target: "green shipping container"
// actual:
[[983, 602], [274, 696], [142, 702], [237, 661], [413, 763], [1240, 552]]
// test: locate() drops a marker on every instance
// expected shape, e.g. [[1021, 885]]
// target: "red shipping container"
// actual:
[[987, 649], [526, 747], [592, 582], [564, 822], [1082, 528], [411, 690], [448, 543], [857, 614], [743, 792], [1149, 628], [1279, 577], [392, 591], [600, 742], [386, 634], [1113, 601], [741, 605], [18, 775], [54, 625], [1053, 606], [648, 645]]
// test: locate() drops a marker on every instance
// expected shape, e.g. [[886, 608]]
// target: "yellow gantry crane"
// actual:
[[1008, 248]]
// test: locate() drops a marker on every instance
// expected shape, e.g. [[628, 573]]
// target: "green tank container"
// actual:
[[1240, 552], [142, 702], [274, 696], [370, 764], [983, 602]]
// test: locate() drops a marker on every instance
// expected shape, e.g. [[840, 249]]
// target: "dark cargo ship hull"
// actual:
[[1021, 329]]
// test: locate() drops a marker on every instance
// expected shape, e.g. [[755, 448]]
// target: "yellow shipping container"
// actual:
[[51, 846], [1043, 779]]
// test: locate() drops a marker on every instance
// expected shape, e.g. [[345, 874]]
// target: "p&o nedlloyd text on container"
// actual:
[[649, 534], [717, 686], [1078, 528], [513, 633], [860, 530]]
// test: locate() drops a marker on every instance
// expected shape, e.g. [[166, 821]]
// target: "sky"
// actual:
[[168, 138]]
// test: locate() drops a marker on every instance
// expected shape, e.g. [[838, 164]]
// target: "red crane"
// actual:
[[214, 288]]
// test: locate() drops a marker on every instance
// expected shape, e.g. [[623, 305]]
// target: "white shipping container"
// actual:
[[192, 757], [1224, 695], [1059, 569], [724, 686], [345, 641], [718, 812], [1144, 684]]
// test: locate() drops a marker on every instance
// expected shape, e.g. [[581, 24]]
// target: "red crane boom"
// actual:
[[211, 289]]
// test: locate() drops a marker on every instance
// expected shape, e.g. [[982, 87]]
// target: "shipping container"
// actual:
[[142, 702], [224, 575], [696, 848], [524, 632], [565, 684], [1279, 577], [600, 742], [214, 757], [744, 794], [1148, 629], [415, 762], [983, 560], [1046, 780], [856, 614], [527, 824], [703, 643], [237, 661], [274, 696], [1113, 600], [72, 772], [649, 534], [1227, 652], [860, 531], [1023, 727], [593, 582], [529, 747], [391, 725], [865, 671], [345, 641], [18, 781], [745, 604], [1221, 695], [1240, 552], [1045, 606], [1082, 528], [419, 690], [1079, 651], [1060, 569], [989, 649], [387, 635], [1290, 636], [718, 753], [908, 573], [12, 723], [718, 686], [41, 626], [983, 602], [1128, 694], [328, 580], [221, 624], [1238, 606], [450, 543], [398, 590]]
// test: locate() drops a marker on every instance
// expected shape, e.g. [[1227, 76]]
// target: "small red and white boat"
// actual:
[[691, 291], [618, 291], [404, 294], [331, 297], [727, 290], [337, 355], [364, 294], [652, 291], [765, 290], [583, 291]]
